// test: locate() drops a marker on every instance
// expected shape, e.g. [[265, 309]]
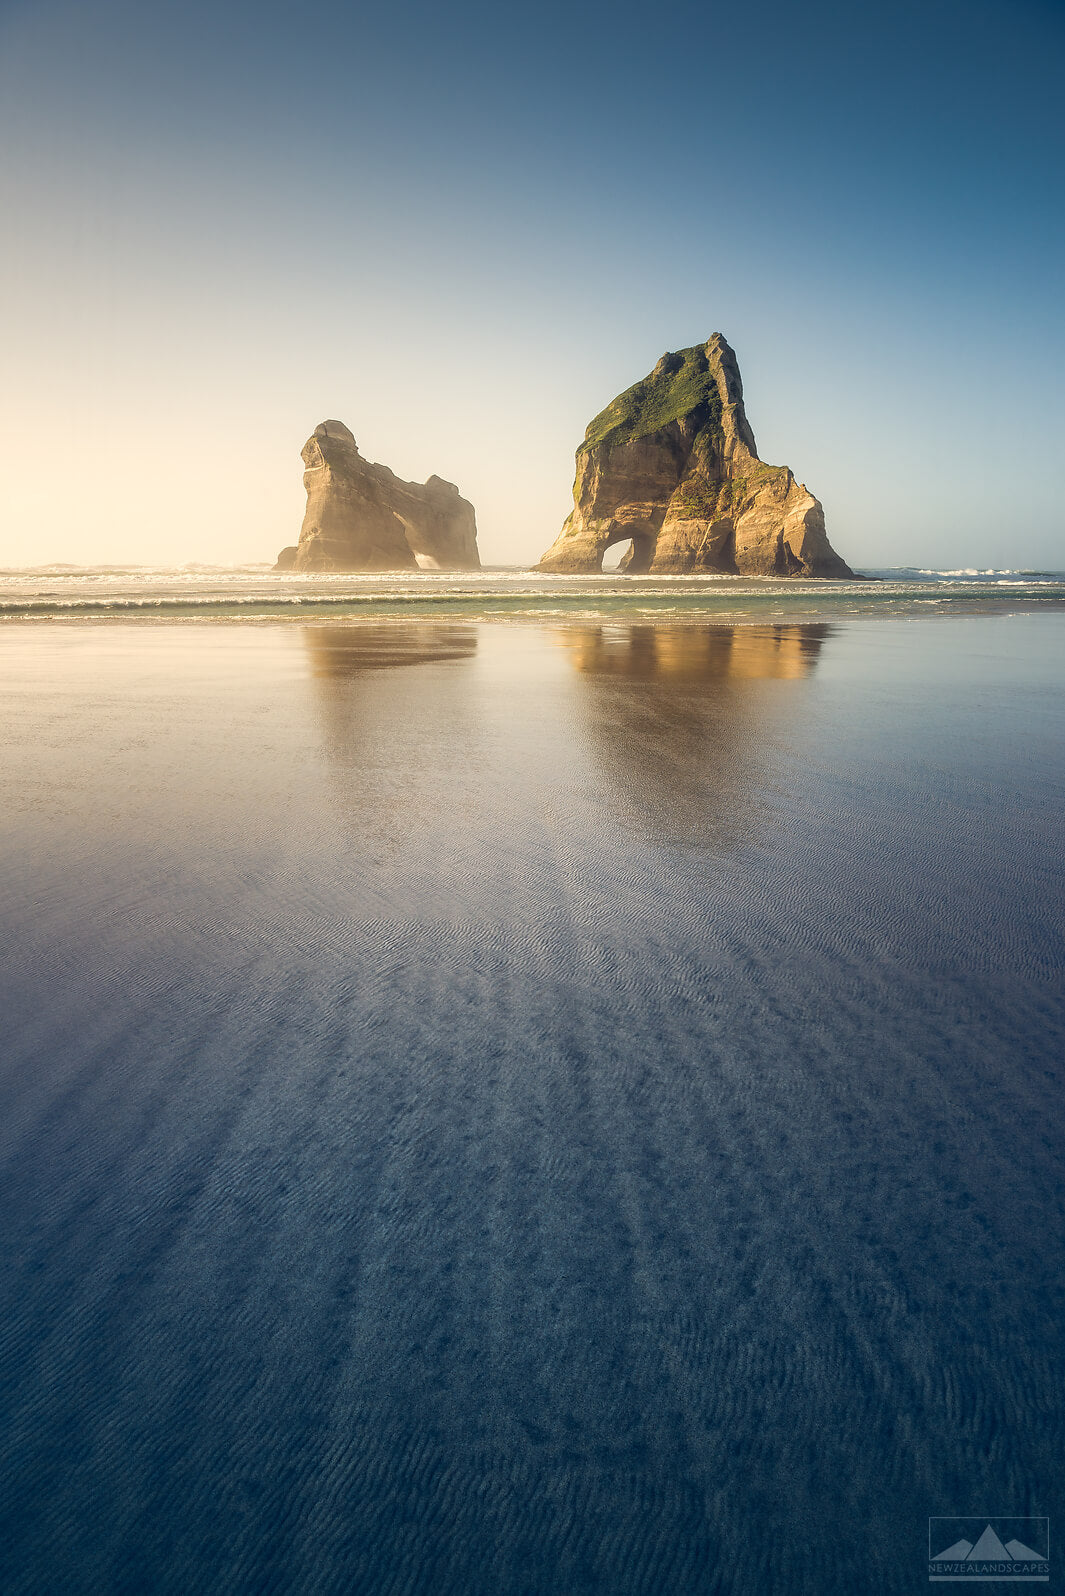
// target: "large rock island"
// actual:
[[362, 517], [672, 465]]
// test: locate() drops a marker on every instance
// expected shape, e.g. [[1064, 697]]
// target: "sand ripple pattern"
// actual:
[[504, 1125]]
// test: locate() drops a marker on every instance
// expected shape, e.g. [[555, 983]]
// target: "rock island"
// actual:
[[362, 517], [671, 465]]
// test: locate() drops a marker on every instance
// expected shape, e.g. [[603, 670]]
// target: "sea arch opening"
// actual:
[[635, 546]]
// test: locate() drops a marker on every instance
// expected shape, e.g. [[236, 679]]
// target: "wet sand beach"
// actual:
[[528, 1106]]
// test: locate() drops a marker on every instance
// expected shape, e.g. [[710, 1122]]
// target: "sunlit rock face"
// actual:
[[362, 517], [672, 466]]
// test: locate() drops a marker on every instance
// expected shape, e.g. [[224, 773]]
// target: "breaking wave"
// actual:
[[202, 592]]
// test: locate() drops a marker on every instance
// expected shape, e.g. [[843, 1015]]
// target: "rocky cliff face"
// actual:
[[672, 465], [362, 517]]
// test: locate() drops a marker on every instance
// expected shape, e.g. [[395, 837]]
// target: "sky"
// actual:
[[463, 229]]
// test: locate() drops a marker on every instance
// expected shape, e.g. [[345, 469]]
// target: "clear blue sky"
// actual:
[[463, 229]]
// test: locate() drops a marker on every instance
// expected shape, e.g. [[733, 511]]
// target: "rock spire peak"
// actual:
[[362, 517], [671, 467]]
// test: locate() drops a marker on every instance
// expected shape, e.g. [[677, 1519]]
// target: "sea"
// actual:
[[518, 1086], [253, 592]]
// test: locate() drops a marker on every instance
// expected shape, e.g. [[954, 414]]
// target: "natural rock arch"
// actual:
[[362, 517], [675, 456], [636, 560]]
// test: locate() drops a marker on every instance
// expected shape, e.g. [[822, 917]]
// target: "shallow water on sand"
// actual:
[[528, 1108], [177, 595]]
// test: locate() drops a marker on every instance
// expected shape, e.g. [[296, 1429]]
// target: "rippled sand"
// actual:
[[530, 1108]]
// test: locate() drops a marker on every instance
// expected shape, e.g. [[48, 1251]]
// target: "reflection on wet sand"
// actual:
[[696, 654], [683, 726], [386, 729], [680, 726], [341, 652]]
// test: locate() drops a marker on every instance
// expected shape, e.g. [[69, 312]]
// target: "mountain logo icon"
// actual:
[[989, 1548]]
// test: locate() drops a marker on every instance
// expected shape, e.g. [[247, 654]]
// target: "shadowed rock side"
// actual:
[[672, 466], [362, 517]]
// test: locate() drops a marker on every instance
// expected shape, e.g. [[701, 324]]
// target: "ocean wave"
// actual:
[[256, 592], [392, 596]]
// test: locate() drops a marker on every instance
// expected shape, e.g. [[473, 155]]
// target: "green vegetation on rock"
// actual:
[[695, 500], [691, 492], [682, 385]]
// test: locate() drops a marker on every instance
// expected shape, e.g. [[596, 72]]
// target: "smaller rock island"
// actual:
[[671, 466], [362, 517]]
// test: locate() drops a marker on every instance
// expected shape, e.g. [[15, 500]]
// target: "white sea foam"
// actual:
[[257, 592]]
